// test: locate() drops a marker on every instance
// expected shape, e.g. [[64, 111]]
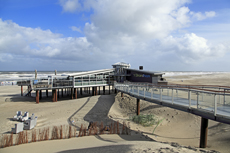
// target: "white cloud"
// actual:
[[192, 48], [76, 29], [70, 5], [17, 40], [201, 16], [130, 31]]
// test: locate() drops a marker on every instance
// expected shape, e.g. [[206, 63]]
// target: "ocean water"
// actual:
[[181, 73], [10, 78]]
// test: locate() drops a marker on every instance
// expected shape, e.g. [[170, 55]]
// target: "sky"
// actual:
[[76, 35]]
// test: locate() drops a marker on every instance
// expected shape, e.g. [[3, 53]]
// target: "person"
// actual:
[[107, 128], [90, 124]]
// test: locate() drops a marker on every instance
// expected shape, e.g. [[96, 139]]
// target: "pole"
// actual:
[[138, 106], [203, 132], [21, 90], [37, 96]]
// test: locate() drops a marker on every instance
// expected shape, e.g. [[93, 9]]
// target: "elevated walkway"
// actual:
[[211, 102]]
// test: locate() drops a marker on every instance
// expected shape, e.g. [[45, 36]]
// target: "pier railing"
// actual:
[[62, 82], [214, 100]]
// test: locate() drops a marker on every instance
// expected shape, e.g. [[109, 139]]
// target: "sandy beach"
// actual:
[[179, 131]]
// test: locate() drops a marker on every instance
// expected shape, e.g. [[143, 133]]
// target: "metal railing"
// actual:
[[214, 101]]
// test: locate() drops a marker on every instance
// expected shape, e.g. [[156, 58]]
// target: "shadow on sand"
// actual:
[[99, 113]]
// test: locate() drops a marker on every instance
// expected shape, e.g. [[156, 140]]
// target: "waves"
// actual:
[[181, 73]]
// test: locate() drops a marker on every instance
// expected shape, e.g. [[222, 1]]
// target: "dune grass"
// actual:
[[144, 120]]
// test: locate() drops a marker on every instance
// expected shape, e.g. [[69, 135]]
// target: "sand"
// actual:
[[179, 131]]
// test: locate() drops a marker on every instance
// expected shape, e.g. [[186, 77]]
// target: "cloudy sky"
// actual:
[[161, 35]]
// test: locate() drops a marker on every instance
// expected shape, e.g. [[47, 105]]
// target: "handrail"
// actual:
[[217, 102], [179, 86]]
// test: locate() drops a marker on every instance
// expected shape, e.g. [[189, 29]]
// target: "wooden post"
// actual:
[[122, 94], [75, 93], [109, 89], [99, 90], [96, 91], [203, 132], [138, 106], [72, 93], [37, 96], [103, 89], [61, 92], [56, 95], [21, 90], [47, 93], [40, 94], [53, 95], [81, 91], [92, 91]]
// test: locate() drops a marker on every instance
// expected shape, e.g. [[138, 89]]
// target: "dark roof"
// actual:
[[148, 72]]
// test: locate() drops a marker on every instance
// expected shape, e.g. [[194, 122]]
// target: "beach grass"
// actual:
[[144, 119]]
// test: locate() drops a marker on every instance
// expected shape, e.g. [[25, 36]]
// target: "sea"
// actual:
[[11, 77]]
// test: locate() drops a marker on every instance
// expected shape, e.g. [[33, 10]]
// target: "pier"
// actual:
[[209, 102]]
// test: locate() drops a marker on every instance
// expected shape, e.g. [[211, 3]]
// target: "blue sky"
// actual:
[[175, 35]]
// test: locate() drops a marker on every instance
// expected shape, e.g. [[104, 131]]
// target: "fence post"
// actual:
[[219, 95], [172, 96], [189, 98], [160, 94], [197, 100], [144, 92], [224, 96], [215, 105], [152, 93]]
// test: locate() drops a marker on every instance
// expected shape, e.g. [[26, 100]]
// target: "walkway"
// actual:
[[209, 103]]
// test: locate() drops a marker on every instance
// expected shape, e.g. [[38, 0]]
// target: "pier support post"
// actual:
[[29, 88], [203, 132], [54, 95], [46, 93], [96, 91], [109, 89], [61, 92], [75, 93], [122, 94], [58, 93], [37, 96], [21, 90], [115, 90], [103, 89], [40, 94], [72, 93], [92, 91], [138, 106], [99, 90], [81, 91]]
